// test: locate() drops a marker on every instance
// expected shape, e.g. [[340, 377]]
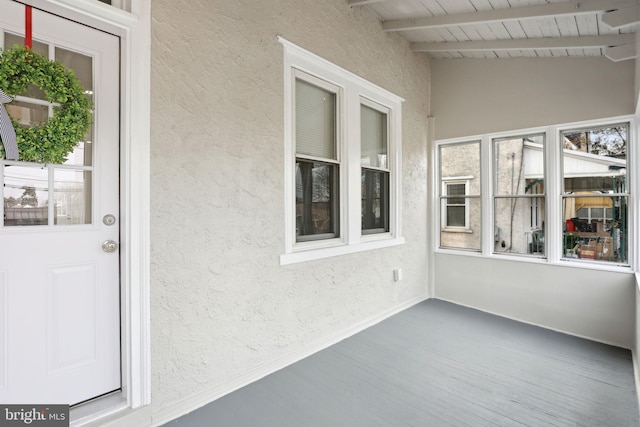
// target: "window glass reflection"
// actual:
[[26, 197]]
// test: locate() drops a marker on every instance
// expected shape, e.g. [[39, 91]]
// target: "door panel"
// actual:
[[60, 306]]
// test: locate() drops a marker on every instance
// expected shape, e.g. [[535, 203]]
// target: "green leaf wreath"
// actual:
[[49, 142]]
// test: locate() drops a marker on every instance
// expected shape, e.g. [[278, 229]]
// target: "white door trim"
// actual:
[[134, 29]]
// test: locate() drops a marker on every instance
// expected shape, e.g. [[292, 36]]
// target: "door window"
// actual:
[[49, 195]]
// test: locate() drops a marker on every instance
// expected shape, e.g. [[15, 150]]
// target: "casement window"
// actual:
[[561, 194], [460, 203], [595, 193], [518, 195], [342, 160]]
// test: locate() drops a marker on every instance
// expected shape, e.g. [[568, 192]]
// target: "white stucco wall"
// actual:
[[476, 96], [223, 309]]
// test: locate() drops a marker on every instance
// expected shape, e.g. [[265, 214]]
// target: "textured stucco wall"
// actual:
[[222, 306]]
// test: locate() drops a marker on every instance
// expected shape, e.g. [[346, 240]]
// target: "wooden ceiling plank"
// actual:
[[572, 7]]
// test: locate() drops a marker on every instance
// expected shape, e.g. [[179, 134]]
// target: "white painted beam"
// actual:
[[621, 53], [622, 17], [527, 44], [353, 3], [572, 7]]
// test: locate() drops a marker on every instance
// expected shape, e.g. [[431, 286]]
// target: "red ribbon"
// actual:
[[28, 38]]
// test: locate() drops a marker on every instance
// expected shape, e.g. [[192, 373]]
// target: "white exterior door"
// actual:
[[59, 289]]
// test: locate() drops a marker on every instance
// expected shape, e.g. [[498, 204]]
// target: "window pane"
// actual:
[[519, 225], [595, 160], [455, 216], [315, 121], [460, 218], [82, 66], [519, 165], [10, 40], [26, 197], [461, 160], [373, 127], [72, 189], [595, 193], [468, 237], [455, 190], [375, 201], [589, 235], [27, 113], [316, 200]]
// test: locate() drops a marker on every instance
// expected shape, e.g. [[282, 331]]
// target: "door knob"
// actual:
[[109, 246]]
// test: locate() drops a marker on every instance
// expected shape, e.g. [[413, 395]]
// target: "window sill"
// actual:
[[457, 230], [562, 262], [327, 252]]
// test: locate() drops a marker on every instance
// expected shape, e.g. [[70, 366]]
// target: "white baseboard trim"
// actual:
[[495, 313], [201, 398]]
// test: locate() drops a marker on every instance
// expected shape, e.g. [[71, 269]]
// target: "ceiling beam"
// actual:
[[526, 44], [622, 17], [572, 7], [621, 53], [353, 3]]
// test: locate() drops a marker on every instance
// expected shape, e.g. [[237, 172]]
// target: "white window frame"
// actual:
[[353, 89], [446, 181], [337, 91], [553, 194], [494, 142], [631, 173], [387, 169]]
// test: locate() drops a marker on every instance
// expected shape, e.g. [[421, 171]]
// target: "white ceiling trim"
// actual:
[[572, 7], [527, 44]]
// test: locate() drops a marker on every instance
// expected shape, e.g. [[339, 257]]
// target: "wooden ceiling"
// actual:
[[512, 28]]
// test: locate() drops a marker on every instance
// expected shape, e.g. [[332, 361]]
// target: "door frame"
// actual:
[[134, 29]]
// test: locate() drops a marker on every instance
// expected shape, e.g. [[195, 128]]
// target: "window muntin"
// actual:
[[595, 193], [460, 203], [317, 171], [375, 173], [519, 195]]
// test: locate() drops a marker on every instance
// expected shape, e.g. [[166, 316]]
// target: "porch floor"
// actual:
[[440, 364]]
